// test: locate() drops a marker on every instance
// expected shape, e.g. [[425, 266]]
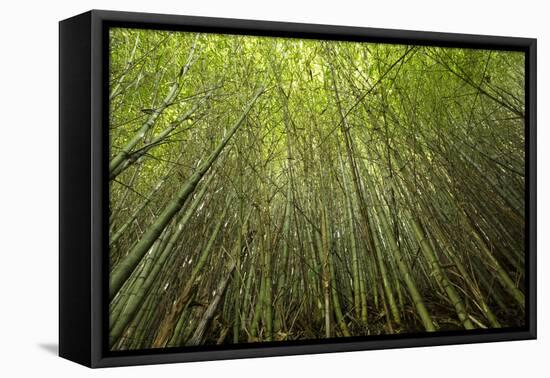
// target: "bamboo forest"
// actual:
[[266, 189]]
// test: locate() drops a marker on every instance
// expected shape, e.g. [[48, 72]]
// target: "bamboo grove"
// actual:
[[268, 189]]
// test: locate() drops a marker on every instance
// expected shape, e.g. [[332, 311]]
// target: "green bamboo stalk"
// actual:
[[126, 266], [143, 282], [441, 277]]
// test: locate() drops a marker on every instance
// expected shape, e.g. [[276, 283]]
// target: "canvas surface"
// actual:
[[276, 190]]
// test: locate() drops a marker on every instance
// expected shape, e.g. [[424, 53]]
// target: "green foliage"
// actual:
[[267, 189]]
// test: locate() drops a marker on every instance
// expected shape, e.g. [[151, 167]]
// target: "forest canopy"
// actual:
[[271, 189]]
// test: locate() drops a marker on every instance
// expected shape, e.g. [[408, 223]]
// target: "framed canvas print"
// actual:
[[234, 188]]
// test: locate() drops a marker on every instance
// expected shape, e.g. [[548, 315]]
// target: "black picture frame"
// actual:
[[83, 195]]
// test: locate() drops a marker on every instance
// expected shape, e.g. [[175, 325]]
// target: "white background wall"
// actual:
[[29, 189]]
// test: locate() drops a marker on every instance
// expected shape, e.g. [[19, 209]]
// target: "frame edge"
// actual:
[[74, 193]]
